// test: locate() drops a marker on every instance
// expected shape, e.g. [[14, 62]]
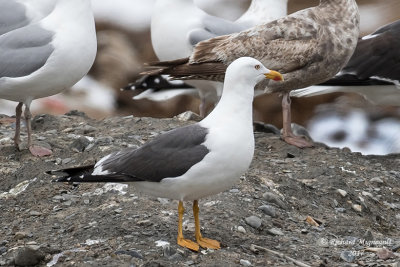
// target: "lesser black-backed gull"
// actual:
[[46, 46], [308, 47], [373, 71], [177, 25], [194, 161]]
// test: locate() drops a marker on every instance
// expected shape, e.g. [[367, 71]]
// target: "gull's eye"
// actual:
[[257, 67]]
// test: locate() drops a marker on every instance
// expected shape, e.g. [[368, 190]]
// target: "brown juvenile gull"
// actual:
[[308, 47]]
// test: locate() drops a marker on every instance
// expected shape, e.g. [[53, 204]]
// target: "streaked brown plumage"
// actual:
[[308, 47]]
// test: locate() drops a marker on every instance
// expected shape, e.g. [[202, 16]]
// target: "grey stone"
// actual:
[[245, 262], [347, 256], [3, 250], [79, 144], [188, 116], [269, 210], [376, 180], [105, 140], [253, 221], [21, 235], [88, 129], [341, 210], [66, 161], [241, 229], [35, 213], [27, 257], [274, 199], [163, 201], [275, 231], [342, 192], [368, 235], [131, 253]]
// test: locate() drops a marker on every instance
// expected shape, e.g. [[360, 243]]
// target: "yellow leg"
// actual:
[[203, 242], [181, 241]]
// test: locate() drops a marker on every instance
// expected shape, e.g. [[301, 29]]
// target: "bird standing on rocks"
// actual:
[[194, 161], [46, 46], [308, 47]]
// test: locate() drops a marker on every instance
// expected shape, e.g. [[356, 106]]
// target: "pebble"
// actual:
[[66, 161], [241, 229], [105, 140], [367, 194], [79, 144], [189, 263], [342, 192], [163, 201], [356, 207], [347, 256], [188, 116], [253, 221], [368, 235], [341, 210], [119, 210], [3, 250], [27, 257], [272, 198], [269, 210], [20, 235], [376, 180], [335, 203], [131, 253], [89, 147], [88, 129], [35, 213], [235, 190], [275, 231], [245, 262]]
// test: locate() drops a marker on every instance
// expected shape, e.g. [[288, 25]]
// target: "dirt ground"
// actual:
[[293, 207]]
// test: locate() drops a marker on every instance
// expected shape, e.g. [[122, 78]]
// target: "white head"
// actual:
[[240, 79], [250, 71]]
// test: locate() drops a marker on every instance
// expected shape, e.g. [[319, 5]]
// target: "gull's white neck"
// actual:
[[235, 105], [262, 11]]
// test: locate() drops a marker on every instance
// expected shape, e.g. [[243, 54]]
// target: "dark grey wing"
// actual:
[[24, 50], [12, 16], [169, 155], [377, 56]]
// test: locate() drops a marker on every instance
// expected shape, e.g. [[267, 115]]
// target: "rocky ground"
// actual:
[[311, 207]]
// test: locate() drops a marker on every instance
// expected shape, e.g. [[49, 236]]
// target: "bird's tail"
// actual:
[[156, 83], [181, 69], [84, 175]]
